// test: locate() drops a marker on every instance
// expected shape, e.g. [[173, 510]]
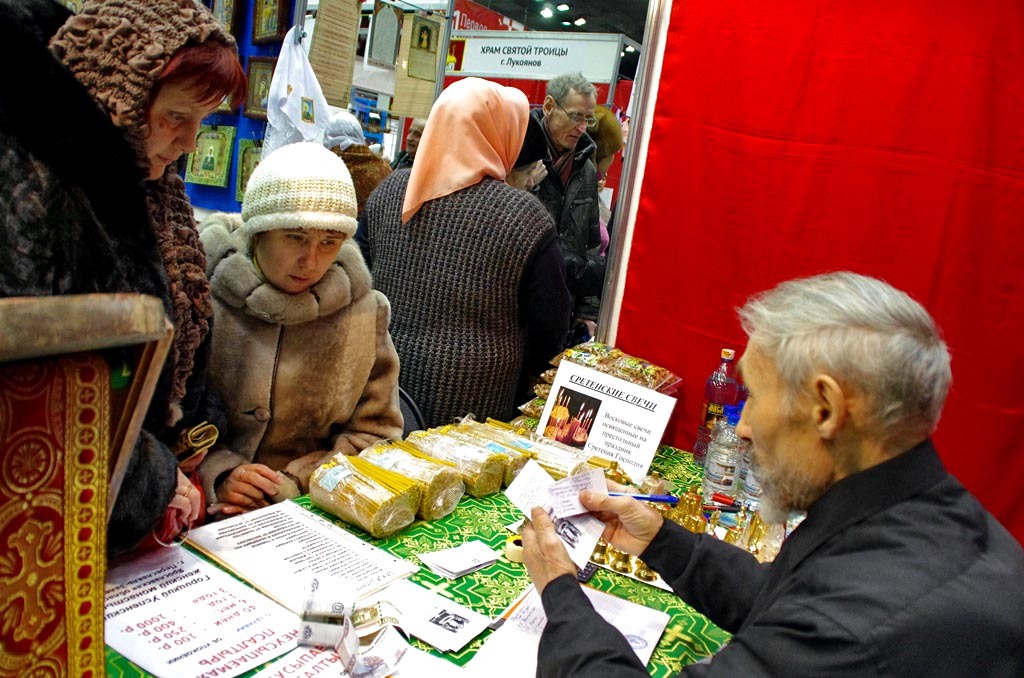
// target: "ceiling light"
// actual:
[[629, 48], [567, 23], [546, 13], [622, 54], [563, 8], [580, 21]]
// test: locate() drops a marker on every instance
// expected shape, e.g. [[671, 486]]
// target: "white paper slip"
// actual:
[[530, 488], [175, 614], [432, 618], [565, 493], [278, 549], [463, 559], [579, 533], [519, 637]]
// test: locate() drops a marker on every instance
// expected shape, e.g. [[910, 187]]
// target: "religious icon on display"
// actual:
[[269, 21], [260, 72], [210, 163]]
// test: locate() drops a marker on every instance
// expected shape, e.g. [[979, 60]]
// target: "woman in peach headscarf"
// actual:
[[470, 264]]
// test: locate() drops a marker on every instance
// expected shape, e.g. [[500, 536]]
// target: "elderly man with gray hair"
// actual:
[[895, 571], [569, 191]]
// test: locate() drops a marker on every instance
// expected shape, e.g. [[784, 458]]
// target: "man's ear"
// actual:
[[549, 105], [830, 408]]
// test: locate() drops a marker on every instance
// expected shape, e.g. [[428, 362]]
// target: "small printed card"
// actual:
[[463, 559]]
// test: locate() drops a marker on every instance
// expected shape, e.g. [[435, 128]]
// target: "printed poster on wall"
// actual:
[[606, 416]]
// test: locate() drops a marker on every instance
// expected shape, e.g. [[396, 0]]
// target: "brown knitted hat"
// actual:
[[118, 48]]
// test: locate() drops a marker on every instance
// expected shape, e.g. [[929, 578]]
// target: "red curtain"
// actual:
[[881, 136]]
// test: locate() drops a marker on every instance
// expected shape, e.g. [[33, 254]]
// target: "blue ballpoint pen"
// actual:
[[657, 498]]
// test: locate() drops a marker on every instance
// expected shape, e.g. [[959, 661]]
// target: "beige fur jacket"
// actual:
[[301, 375]]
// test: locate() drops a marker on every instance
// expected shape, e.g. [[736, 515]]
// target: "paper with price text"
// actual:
[[174, 614]]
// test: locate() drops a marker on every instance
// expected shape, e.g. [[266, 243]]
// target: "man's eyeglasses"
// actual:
[[577, 118]]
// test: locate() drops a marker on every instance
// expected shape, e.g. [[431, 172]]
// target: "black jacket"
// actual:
[[575, 211], [896, 571]]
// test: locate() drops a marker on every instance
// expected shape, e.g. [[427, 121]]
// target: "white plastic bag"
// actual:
[[296, 107]]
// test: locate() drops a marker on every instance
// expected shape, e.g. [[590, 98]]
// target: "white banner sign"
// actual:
[[534, 55], [607, 416]]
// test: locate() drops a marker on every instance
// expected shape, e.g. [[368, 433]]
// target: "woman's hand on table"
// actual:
[[245, 488], [630, 525], [543, 552]]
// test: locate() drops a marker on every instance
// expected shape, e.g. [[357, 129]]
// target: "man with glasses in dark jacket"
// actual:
[[569, 191]]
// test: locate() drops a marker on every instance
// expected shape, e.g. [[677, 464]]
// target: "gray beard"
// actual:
[[783, 493]]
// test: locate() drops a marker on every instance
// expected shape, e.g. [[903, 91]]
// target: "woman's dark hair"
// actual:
[[212, 69]]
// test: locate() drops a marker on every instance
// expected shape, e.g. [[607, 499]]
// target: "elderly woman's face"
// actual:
[[293, 260], [174, 118]]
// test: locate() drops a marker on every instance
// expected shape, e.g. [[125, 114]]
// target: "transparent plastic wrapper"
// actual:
[[515, 458], [534, 408], [557, 459], [612, 361], [482, 470], [440, 481], [380, 501]]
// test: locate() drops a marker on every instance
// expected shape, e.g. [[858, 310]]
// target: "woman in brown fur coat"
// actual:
[[301, 353]]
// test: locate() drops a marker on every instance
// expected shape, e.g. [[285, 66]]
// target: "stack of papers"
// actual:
[[463, 559]]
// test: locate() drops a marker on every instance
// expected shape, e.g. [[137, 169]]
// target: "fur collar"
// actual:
[[236, 282]]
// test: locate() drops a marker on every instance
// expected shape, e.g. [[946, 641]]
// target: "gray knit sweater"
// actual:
[[458, 275]]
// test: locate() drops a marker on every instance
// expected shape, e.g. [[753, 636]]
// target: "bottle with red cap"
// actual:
[[722, 388]]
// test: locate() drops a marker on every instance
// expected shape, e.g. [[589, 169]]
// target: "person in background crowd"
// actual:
[[529, 169], [471, 265], [607, 136], [569, 191], [344, 137], [405, 158], [896, 571], [302, 353], [97, 206]]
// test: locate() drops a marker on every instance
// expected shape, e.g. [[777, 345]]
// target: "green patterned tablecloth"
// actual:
[[688, 638]]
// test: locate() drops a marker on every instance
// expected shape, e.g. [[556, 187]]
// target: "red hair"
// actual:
[[211, 68]]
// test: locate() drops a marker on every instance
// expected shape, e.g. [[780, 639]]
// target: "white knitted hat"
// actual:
[[301, 185]]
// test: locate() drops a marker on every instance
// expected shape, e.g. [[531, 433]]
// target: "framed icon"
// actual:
[[249, 151], [269, 21], [259, 73], [210, 164], [229, 13]]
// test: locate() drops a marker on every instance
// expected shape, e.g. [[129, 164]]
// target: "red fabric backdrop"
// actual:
[[881, 136]]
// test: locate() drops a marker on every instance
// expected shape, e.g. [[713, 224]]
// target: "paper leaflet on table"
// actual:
[[519, 636], [175, 614], [433, 618], [312, 661], [278, 550], [579, 533]]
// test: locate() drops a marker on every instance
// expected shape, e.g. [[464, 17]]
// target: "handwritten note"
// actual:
[[579, 533], [565, 494], [174, 614]]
